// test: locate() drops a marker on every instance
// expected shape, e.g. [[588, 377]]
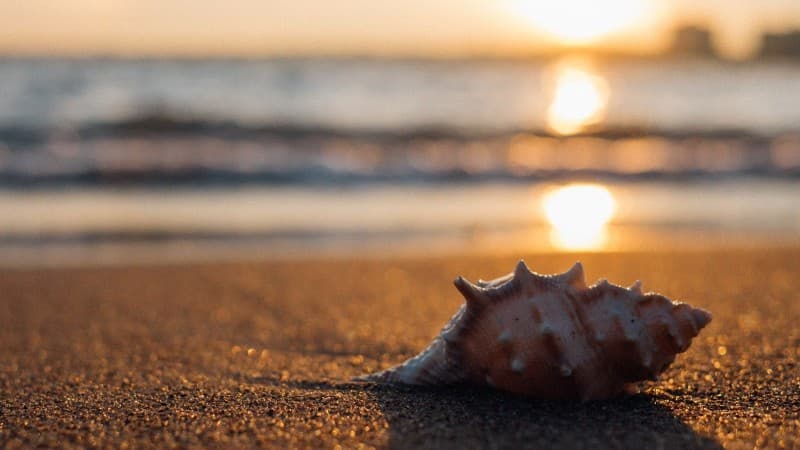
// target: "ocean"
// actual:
[[123, 160]]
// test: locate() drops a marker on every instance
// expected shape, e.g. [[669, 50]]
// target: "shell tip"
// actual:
[[701, 317], [474, 295], [636, 287], [574, 276], [522, 271]]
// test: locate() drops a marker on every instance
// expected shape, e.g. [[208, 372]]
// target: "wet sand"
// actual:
[[260, 354]]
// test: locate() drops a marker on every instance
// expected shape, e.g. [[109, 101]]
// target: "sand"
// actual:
[[260, 354]]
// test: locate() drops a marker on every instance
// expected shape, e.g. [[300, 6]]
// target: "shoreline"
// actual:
[[186, 253]]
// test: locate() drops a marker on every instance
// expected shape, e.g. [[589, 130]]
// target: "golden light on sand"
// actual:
[[582, 21], [579, 99], [579, 214]]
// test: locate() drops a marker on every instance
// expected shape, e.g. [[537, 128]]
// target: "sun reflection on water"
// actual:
[[579, 215], [579, 99]]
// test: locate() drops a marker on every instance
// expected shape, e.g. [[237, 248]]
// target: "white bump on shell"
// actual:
[[631, 333], [517, 365], [600, 337], [505, 337]]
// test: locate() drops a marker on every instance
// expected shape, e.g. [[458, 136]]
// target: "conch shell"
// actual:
[[553, 337]]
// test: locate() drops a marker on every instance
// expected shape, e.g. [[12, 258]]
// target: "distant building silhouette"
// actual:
[[781, 45], [692, 40]]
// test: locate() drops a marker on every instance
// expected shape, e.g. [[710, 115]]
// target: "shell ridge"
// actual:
[[495, 282], [436, 365], [636, 335], [593, 345], [505, 291], [644, 349]]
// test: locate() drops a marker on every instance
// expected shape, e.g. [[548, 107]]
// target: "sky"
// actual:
[[375, 27]]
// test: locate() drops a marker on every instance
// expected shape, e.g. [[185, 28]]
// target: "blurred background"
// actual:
[[143, 130]]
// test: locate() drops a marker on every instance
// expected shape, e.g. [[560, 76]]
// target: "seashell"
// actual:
[[553, 337]]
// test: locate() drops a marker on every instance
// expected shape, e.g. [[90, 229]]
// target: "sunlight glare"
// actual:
[[582, 21], [580, 98], [579, 214]]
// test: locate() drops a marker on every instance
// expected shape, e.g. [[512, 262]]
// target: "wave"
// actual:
[[165, 150], [154, 125]]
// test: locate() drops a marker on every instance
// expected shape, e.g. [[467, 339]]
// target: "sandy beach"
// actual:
[[261, 353]]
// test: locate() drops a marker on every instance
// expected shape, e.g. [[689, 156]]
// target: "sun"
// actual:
[[576, 22]]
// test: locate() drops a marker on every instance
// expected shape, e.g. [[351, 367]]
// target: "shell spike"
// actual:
[[521, 272], [574, 276], [701, 317], [474, 295], [636, 287]]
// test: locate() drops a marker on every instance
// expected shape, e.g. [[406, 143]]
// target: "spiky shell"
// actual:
[[553, 337]]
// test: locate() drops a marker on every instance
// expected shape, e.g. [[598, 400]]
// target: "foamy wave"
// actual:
[[168, 151]]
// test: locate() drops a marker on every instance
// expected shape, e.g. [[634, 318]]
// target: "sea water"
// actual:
[[121, 159]]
